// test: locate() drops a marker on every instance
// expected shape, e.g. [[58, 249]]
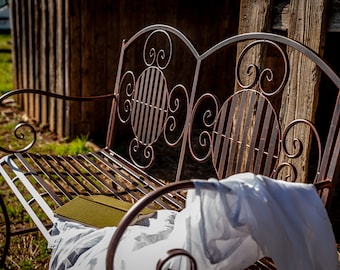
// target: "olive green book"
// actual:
[[97, 210]]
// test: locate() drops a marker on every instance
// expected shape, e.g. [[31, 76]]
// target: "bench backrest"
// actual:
[[221, 112]]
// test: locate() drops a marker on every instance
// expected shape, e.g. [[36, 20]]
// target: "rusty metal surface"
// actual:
[[209, 131]]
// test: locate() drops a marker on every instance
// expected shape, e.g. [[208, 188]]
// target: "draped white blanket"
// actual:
[[226, 224]]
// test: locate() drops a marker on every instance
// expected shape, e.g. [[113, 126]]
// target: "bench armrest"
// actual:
[[29, 129]]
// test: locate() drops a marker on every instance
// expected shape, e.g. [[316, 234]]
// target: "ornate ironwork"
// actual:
[[298, 147], [177, 109], [149, 105], [128, 84], [259, 74], [20, 135], [160, 55], [208, 114]]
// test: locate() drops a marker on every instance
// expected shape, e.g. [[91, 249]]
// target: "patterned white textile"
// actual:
[[226, 224], [75, 246]]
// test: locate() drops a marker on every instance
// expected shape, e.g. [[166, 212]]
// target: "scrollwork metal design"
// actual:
[[297, 147], [18, 134], [126, 88], [154, 56], [289, 177], [207, 120], [297, 142], [143, 156], [179, 105], [258, 74]]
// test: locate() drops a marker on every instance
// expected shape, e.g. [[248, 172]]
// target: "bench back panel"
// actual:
[[217, 114]]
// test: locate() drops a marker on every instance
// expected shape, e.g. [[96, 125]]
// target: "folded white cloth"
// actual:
[[233, 222], [226, 224]]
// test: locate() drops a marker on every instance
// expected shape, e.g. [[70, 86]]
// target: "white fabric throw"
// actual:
[[226, 224], [233, 222]]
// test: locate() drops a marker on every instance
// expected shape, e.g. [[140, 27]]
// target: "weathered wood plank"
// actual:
[[75, 82], [255, 16], [44, 77], [334, 16], [52, 63], [281, 16], [24, 49], [67, 63], [99, 71], [30, 56], [37, 53], [87, 61], [307, 24], [60, 66]]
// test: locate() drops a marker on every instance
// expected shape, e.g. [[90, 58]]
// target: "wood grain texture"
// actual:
[[281, 16], [307, 24], [43, 61], [52, 22], [255, 16], [74, 63], [37, 67]]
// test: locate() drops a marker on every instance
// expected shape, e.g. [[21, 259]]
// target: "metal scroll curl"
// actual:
[[202, 122], [159, 57], [292, 148], [143, 156], [291, 176], [28, 138], [124, 102], [176, 253], [259, 76], [178, 105]]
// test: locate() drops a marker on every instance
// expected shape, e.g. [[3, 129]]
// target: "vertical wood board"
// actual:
[[307, 24]]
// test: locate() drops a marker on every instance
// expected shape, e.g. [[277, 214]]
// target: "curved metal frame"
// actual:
[[242, 37], [21, 136], [137, 145], [8, 233], [133, 212]]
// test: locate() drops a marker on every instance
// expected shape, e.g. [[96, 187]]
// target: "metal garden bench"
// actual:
[[213, 114]]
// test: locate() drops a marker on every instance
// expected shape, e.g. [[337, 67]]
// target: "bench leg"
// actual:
[[5, 233]]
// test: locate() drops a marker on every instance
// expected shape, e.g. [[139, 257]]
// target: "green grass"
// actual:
[[74, 147], [6, 77], [5, 42]]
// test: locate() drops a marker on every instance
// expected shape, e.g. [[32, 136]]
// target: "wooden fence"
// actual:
[[72, 47]]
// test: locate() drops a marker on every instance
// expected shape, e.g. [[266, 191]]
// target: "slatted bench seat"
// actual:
[[180, 114]]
